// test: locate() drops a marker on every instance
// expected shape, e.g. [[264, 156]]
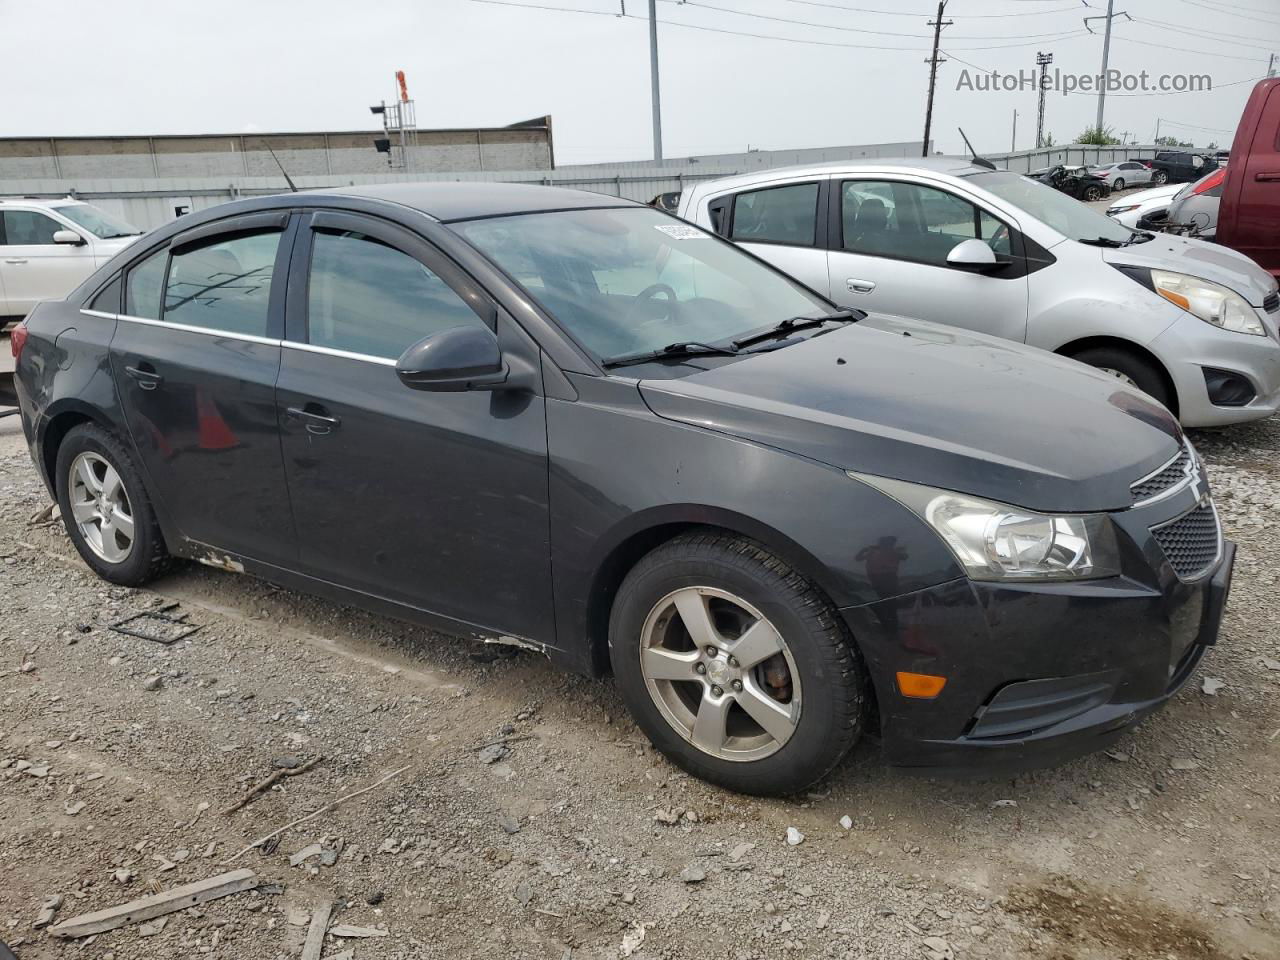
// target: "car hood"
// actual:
[[932, 404], [1147, 196], [1197, 258]]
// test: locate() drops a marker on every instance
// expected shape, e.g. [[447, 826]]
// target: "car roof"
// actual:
[[41, 201], [469, 200], [952, 166]]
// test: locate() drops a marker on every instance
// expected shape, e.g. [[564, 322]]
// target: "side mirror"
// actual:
[[68, 236], [973, 255], [460, 358]]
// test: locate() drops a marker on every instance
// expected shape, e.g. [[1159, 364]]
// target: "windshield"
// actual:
[[98, 222], [1065, 214], [625, 280]]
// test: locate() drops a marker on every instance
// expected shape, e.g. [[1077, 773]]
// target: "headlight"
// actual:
[[1209, 301], [995, 541], [1114, 210]]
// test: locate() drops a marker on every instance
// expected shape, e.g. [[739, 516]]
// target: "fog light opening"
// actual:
[[1227, 389]]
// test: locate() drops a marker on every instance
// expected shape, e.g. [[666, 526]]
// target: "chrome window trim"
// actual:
[[99, 314], [342, 354], [185, 328], [1189, 475]]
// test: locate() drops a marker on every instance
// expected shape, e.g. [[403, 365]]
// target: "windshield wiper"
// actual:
[[784, 327], [1138, 237], [1103, 242], [684, 348]]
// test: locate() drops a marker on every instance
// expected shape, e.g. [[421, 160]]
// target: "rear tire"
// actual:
[[106, 510], [810, 695], [1128, 368], [1092, 193], [1118, 185], [1159, 178]]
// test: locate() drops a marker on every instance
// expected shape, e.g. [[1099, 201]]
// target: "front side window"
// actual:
[[777, 215], [369, 298], [98, 222], [143, 288], [224, 284], [909, 221], [624, 280], [26, 227]]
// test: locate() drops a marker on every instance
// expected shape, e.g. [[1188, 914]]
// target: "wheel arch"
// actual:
[[59, 420], [645, 531], [1075, 347]]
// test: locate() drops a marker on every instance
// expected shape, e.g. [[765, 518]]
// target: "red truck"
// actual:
[[1249, 215]]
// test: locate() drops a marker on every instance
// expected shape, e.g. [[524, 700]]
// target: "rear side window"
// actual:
[[777, 215], [142, 288], [224, 284], [26, 227], [369, 298], [108, 298]]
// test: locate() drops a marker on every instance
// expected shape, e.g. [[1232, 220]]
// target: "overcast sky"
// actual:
[[200, 66]]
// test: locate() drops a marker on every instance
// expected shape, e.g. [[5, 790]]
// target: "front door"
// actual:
[[32, 266], [195, 358], [782, 224], [433, 500], [889, 246]]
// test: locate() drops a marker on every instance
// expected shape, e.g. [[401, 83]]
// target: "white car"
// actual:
[[47, 247], [1122, 174], [1127, 211], [1190, 323]]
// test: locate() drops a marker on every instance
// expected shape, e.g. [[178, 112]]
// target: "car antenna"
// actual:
[[283, 171], [973, 154]]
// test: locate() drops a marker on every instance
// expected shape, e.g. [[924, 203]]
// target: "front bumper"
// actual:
[[1035, 674], [1190, 345]]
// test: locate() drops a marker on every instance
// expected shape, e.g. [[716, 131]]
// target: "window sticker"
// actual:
[[680, 231]]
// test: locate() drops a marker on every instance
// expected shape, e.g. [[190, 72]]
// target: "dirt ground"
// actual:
[[573, 839]]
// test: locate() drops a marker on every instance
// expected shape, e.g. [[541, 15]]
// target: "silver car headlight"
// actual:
[[996, 541], [1211, 302]]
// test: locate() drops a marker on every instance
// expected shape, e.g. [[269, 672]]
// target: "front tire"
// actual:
[[737, 668], [105, 508], [1092, 193], [1128, 368], [1159, 178], [1118, 185]]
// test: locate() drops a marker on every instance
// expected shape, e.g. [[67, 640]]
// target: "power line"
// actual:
[[757, 36], [1207, 53], [1231, 13], [958, 16], [1167, 93], [832, 26], [1205, 34]]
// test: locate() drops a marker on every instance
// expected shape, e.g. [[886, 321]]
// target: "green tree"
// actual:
[[1172, 142], [1048, 140], [1098, 136]]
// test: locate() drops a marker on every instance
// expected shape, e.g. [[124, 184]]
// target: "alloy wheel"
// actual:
[[720, 673], [100, 507]]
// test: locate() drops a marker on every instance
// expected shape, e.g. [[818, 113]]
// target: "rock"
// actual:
[[633, 938], [847, 822], [72, 809], [47, 909], [824, 918], [1211, 685], [1004, 803], [151, 929], [740, 851], [523, 893], [629, 897], [122, 875], [938, 949], [494, 752], [287, 762], [1183, 763], [306, 853], [794, 837], [693, 874], [346, 930], [668, 817], [152, 683]]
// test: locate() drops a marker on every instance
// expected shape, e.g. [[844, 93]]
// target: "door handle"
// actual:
[[860, 286], [15, 259], [316, 418], [147, 378], [1267, 175]]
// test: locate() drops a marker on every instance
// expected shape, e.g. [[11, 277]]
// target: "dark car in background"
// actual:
[[1180, 166], [581, 426]]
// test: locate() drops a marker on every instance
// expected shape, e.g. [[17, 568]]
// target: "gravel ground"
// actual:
[[572, 838]]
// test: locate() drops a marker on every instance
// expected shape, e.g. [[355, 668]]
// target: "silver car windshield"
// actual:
[[631, 279], [1065, 214], [98, 222]]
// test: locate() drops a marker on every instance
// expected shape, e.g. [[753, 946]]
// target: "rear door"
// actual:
[[889, 244], [195, 359], [781, 223], [433, 500], [32, 266]]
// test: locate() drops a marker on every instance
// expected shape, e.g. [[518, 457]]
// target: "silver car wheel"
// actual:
[[1121, 376], [720, 673], [100, 507]]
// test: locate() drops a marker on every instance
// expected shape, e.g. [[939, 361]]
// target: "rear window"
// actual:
[[786, 215]]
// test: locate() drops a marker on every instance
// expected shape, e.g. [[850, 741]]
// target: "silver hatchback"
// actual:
[[1191, 323]]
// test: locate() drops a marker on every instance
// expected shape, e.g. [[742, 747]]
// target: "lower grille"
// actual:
[[1272, 302], [1192, 542]]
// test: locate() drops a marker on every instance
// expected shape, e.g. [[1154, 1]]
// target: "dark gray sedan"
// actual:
[[581, 426]]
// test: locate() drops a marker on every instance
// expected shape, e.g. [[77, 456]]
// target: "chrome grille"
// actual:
[[1192, 542], [1271, 303], [1171, 475]]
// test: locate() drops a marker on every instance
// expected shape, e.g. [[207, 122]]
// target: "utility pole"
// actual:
[[1013, 140], [1271, 65], [1106, 53], [1042, 60], [933, 62], [655, 96]]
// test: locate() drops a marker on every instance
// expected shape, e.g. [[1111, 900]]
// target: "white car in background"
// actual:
[[47, 247], [1127, 211]]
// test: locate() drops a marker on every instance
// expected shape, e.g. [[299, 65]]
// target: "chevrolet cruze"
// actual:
[[581, 426]]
